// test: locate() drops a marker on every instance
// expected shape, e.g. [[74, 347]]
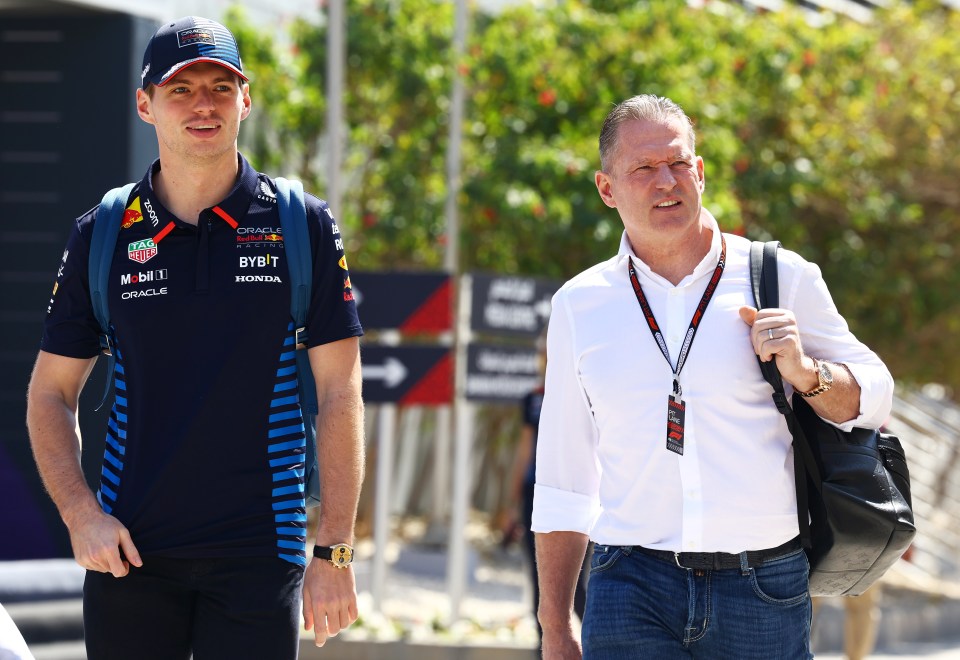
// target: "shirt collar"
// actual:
[[235, 204], [706, 265]]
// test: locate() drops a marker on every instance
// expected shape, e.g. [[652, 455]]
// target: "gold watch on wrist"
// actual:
[[340, 555], [824, 375]]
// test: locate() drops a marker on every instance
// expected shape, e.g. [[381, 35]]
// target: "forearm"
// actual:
[[340, 455], [559, 558], [841, 402], [52, 426]]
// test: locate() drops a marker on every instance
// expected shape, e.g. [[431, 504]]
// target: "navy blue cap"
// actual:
[[185, 42]]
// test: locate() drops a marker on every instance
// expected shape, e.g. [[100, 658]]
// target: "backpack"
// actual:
[[854, 506], [293, 221]]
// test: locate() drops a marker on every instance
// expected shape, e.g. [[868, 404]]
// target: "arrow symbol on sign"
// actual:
[[391, 372]]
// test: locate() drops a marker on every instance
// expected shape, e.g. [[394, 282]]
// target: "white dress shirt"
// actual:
[[603, 468]]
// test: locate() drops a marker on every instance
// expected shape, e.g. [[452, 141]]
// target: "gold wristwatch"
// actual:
[[340, 555], [824, 375]]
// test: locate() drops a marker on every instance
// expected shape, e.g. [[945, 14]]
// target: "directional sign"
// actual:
[[512, 305], [409, 302], [407, 374], [501, 373]]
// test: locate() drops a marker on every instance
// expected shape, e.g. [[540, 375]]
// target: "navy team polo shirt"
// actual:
[[204, 453]]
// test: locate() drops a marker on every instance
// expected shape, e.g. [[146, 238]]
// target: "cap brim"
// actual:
[[160, 81]]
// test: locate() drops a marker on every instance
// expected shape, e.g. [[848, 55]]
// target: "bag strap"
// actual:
[[102, 244], [296, 242], [765, 283]]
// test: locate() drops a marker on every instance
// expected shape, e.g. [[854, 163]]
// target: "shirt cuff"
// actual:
[[876, 396], [556, 510]]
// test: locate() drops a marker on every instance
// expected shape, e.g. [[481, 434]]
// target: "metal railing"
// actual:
[[928, 424]]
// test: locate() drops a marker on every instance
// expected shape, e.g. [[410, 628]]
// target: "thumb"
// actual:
[[129, 549], [748, 314]]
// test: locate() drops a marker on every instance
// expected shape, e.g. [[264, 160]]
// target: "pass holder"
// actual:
[[676, 414], [676, 407]]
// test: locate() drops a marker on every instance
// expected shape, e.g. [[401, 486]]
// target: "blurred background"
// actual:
[[456, 144]]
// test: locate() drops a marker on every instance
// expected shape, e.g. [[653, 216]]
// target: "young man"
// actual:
[[659, 439], [195, 542]]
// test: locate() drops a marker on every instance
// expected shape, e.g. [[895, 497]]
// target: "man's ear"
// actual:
[[602, 179], [247, 101], [145, 107]]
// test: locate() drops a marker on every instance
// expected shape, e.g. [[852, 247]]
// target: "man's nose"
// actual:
[[202, 100], [665, 178]]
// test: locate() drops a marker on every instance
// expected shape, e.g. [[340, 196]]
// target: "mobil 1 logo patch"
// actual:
[[144, 276]]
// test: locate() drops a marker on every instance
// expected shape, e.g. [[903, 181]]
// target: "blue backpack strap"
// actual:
[[102, 244], [296, 243]]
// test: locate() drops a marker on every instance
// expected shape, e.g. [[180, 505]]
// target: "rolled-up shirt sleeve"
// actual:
[[566, 495], [825, 334]]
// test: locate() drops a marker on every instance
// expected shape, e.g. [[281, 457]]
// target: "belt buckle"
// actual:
[[676, 560]]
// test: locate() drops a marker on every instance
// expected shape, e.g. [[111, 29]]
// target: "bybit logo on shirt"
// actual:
[[265, 261]]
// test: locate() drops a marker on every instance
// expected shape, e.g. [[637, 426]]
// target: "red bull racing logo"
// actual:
[[142, 251], [132, 214]]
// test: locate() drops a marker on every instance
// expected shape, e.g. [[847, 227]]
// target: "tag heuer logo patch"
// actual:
[[142, 251]]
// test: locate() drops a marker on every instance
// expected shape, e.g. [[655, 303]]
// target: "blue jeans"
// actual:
[[640, 606]]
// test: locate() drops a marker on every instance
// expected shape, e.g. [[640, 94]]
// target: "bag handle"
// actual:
[[765, 283]]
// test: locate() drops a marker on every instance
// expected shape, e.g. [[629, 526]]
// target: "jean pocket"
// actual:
[[604, 557], [783, 581]]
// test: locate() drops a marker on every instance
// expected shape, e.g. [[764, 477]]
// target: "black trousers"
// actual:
[[210, 608]]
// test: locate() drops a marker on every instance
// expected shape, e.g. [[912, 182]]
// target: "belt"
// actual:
[[709, 561]]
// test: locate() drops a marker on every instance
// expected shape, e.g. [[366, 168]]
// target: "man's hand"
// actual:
[[561, 646], [774, 335], [101, 543], [329, 599]]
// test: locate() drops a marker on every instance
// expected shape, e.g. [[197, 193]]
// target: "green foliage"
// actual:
[[838, 139]]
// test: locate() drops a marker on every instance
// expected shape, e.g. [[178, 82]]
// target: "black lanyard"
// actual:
[[694, 322]]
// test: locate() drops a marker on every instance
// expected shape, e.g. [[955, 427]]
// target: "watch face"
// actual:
[[826, 376], [342, 555]]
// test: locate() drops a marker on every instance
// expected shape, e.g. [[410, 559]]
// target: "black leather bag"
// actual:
[[853, 487]]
